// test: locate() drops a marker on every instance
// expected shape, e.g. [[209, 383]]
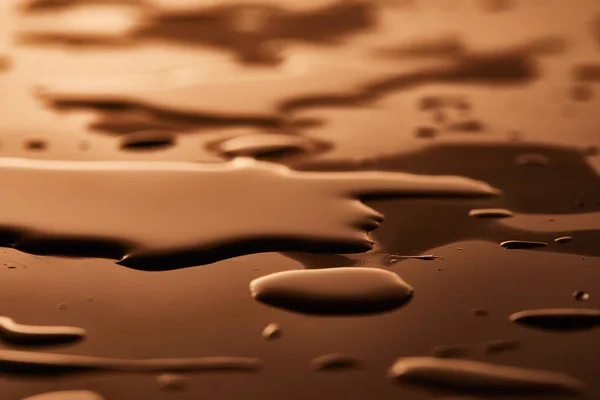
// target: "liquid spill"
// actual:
[[521, 244], [21, 362], [473, 376], [268, 145], [147, 140], [344, 290], [581, 295], [67, 395], [12, 332], [101, 209], [563, 319], [450, 351], [501, 346], [172, 382], [271, 331], [335, 361], [563, 239], [491, 213]]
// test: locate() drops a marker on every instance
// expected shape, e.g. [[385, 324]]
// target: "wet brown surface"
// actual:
[[147, 114]]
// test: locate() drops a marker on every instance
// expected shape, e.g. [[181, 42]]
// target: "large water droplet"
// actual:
[[344, 290], [521, 244], [491, 213]]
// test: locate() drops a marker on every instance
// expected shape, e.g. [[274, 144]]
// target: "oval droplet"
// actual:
[[271, 331], [581, 295], [335, 361], [532, 159], [343, 290], [491, 213], [521, 244], [10, 331], [268, 145], [473, 376], [172, 382], [147, 140], [558, 318]]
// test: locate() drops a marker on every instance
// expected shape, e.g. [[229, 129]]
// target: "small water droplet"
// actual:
[[426, 132], [491, 213], [450, 351], [478, 312], [271, 331], [500, 346], [172, 382], [521, 244], [147, 140], [582, 93], [581, 295], [62, 306], [35, 144], [335, 361]]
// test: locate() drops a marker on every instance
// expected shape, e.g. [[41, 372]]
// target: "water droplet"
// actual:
[[335, 361], [532, 159], [500, 346], [563, 239], [450, 351], [344, 290], [62, 306], [271, 331], [12, 332], [582, 93], [581, 295], [522, 244], [147, 140], [172, 382], [35, 144], [426, 132], [478, 312], [27, 362], [67, 395], [558, 318], [268, 145], [479, 377], [491, 213]]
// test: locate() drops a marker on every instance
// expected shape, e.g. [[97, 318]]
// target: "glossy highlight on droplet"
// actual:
[[491, 213], [343, 290], [271, 331], [479, 377]]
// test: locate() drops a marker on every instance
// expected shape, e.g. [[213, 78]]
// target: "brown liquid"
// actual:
[[87, 208]]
